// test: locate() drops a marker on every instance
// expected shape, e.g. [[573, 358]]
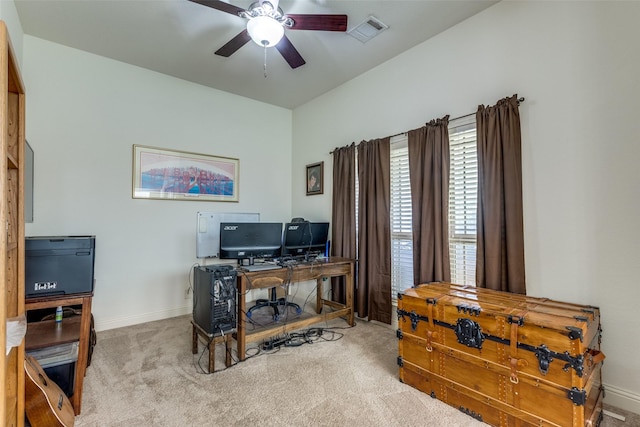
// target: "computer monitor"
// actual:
[[304, 238], [250, 240]]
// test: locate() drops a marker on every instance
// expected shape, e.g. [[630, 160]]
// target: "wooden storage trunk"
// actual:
[[505, 359]]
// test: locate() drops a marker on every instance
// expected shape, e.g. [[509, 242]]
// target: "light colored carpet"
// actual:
[[146, 375]]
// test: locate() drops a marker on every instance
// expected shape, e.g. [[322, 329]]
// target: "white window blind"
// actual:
[[463, 200], [401, 231]]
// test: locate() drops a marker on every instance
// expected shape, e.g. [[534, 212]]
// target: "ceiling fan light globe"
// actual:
[[265, 31]]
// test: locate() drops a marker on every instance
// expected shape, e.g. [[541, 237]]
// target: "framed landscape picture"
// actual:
[[160, 173], [315, 178]]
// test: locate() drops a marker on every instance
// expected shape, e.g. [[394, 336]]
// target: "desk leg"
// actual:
[[242, 309], [350, 285], [319, 293]]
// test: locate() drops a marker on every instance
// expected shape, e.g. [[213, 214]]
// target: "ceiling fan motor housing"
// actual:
[[266, 27]]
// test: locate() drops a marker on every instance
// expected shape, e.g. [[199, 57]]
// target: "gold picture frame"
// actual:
[[315, 178], [160, 173]]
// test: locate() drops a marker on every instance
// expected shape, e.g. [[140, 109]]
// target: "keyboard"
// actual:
[[261, 267]]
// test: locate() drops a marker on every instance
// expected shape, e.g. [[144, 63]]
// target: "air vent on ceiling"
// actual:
[[368, 29]]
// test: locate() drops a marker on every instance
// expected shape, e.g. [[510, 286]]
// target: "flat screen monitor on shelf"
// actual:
[[250, 240], [305, 238]]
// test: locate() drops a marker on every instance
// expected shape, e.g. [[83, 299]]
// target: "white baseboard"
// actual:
[[623, 399], [141, 318]]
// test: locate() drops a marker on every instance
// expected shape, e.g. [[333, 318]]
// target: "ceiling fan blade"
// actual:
[[319, 22], [220, 5], [289, 53], [234, 44]]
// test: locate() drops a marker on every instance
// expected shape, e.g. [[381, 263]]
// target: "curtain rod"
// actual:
[[455, 118], [520, 101]]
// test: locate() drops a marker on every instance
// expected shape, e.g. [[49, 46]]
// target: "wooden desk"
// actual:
[[333, 267], [43, 334]]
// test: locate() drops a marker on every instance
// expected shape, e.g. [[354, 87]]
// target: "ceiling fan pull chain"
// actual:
[[265, 60]]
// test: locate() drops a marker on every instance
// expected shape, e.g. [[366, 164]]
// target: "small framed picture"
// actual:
[[315, 178]]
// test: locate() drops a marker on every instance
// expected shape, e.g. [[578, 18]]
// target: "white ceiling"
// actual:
[[178, 38]]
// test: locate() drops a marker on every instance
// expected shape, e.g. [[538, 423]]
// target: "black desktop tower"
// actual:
[[214, 298]]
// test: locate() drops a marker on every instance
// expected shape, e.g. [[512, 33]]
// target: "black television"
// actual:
[[304, 238], [250, 240]]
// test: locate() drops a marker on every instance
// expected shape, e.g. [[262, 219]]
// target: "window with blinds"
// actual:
[[463, 200], [401, 232]]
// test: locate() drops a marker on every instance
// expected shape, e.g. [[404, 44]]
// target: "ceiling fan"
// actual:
[[266, 25]]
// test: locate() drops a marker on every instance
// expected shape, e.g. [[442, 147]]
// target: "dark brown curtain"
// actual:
[[429, 177], [373, 295], [343, 212], [500, 256]]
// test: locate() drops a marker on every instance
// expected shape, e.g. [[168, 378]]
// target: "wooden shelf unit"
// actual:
[[12, 141], [45, 334]]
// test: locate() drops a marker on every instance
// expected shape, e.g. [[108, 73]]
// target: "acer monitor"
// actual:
[[305, 238], [250, 240]]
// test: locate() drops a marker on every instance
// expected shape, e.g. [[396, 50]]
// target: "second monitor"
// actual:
[[305, 238]]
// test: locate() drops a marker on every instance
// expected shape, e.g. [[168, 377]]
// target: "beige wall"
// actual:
[[84, 113], [577, 67]]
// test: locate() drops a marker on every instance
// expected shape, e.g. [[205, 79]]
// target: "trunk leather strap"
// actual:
[[431, 333], [514, 362], [430, 337]]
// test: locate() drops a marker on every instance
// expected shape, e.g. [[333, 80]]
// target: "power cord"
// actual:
[[274, 344], [307, 336]]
